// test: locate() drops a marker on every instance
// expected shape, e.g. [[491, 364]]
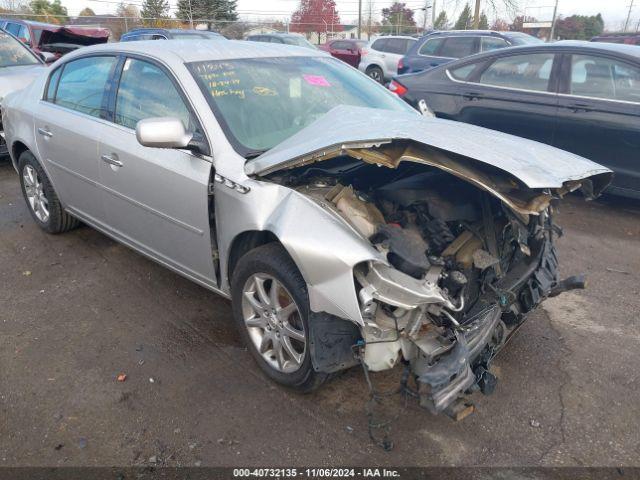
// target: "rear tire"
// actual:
[[41, 198], [266, 284], [376, 73]]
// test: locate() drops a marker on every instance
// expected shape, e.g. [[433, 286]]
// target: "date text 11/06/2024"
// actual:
[[315, 473]]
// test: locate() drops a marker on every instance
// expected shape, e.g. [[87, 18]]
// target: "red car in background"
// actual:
[[55, 39], [348, 50]]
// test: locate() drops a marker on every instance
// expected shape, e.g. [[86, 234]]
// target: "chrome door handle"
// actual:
[[111, 160], [45, 133]]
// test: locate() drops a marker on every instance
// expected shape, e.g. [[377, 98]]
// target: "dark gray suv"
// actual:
[[437, 48]]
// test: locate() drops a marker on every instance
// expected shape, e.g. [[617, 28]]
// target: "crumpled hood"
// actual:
[[74, 36], [536, 165], [17, 78]]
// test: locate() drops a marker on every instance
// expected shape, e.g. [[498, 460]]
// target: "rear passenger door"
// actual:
[[514, 94], [156, 199], [599, 114], [68, 122]]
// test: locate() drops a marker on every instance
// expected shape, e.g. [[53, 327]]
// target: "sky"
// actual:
[[613, 11]]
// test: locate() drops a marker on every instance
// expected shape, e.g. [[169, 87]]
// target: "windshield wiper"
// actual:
[[254, 153]]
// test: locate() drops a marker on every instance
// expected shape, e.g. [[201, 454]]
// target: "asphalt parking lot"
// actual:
[[78, 309]]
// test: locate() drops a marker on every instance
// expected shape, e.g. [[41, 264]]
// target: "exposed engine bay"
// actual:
[[463, 267]]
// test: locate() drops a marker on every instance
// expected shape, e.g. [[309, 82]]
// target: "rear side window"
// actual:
[[136, 101], [380, 45], [525, 72], [13, 28], [397, 46], [82, 85], [600, 77], [463, 73], [52, 86], [491, 43], [430, 47], [458, 47], [341, 46]]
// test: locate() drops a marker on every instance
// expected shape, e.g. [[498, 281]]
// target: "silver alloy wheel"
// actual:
[[376, 75], [274, 323], [34, 190]]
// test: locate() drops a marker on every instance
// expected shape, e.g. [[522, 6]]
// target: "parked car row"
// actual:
[[582, 97], [18, 67], [345, 228]]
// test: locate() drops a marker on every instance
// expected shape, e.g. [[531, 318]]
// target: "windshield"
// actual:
[[522, 39], [13, 54], [262, 101], [299, 41]]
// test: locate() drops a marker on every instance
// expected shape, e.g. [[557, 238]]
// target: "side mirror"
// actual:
[[47, 57], [163, 132]]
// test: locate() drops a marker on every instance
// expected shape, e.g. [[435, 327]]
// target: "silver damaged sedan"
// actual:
[[344, 227]]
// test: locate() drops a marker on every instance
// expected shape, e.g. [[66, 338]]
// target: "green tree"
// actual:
[[155, 12], [442, 22], [52, 12], [398, 19], [211, 11], [579, 27], [87, 12], [483, 24], [465, 20]]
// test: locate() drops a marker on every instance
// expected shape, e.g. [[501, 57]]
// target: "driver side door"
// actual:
[[156, 199]]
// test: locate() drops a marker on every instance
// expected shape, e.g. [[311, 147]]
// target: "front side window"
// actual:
[[491, 43], [145, 91], [458, 47], [13, 54], [431, 46], [524, 72], [262, 101], [600, 77], [82, 85]]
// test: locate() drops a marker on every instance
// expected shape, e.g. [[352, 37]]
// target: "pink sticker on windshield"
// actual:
[[316, 80]]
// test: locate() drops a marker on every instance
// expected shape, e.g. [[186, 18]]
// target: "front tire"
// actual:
[[271, 311], [41, 198]]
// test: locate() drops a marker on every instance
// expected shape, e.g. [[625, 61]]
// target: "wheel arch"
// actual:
[[246, 241], [17, 149]]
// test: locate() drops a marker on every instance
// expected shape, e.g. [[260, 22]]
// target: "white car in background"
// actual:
[[381, 56]]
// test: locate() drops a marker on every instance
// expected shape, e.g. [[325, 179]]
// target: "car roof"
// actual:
[[625, 49], [587, 47], [381, 37], [188, 51], [466, 33]]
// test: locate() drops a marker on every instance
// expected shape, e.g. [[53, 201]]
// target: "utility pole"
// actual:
[[626, 24], [553, 22], [424, 20], [359, 19], [476, 16], [433, 14], [190, 15]]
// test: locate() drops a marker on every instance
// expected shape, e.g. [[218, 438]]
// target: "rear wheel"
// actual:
[[376, 73], [271, 310], [44, 206]]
